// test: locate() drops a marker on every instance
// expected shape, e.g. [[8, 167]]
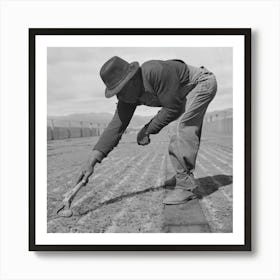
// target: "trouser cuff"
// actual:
[[185, 181]]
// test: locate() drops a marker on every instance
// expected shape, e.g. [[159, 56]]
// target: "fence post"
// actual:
[[91, 132], [69, 129], [81, 122], [52, 130]]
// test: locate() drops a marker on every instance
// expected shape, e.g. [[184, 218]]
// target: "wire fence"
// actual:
[[63, 129], [218, 126], [216, 123], [219, 123]]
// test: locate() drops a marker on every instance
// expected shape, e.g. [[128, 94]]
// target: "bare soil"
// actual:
[[124, 193]]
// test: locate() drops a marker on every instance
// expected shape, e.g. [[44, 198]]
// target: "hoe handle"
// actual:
[[71, 194], [64, 210]]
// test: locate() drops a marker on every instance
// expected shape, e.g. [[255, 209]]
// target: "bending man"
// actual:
[[183, 91]]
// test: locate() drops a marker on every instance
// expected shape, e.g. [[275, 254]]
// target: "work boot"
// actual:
[[183, 191]]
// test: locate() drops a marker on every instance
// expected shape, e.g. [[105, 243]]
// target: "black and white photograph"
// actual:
[[141, 136], [139, 140]]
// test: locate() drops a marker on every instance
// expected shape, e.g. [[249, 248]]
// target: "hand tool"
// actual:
[[64, 209]]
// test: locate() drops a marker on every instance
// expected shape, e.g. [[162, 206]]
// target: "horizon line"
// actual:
[[133, 115]]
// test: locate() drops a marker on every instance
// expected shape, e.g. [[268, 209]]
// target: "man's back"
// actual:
[[168, 80]]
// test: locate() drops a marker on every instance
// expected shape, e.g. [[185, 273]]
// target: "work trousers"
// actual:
[[184, 144]]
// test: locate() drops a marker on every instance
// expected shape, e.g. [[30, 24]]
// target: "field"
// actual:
[[125, 192]]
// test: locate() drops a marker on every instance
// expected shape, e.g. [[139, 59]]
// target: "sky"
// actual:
[[74, 85]]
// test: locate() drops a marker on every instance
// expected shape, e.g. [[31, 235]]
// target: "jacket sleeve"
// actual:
[[111, 136], [163, 118]]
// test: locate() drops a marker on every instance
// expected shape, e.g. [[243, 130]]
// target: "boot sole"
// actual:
[[180, 202]]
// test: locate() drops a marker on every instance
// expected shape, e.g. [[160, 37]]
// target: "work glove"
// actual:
[[143, 137]]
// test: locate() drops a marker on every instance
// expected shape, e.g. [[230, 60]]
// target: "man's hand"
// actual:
[[143, 137], [88, 167], [86, 172]]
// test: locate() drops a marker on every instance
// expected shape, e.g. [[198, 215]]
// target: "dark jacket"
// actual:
[[166, 85]]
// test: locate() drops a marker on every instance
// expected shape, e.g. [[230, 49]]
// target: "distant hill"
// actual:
[[102, 118], [136, 122]]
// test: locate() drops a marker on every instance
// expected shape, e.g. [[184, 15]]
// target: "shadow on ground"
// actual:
[[84, 211], [206, 186], [210, 184]]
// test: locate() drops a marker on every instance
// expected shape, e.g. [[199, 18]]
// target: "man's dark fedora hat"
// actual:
[[115, 73]]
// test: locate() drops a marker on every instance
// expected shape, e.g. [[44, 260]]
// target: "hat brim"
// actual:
[[134, 66]]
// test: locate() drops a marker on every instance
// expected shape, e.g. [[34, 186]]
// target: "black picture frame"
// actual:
[[246, 32]]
